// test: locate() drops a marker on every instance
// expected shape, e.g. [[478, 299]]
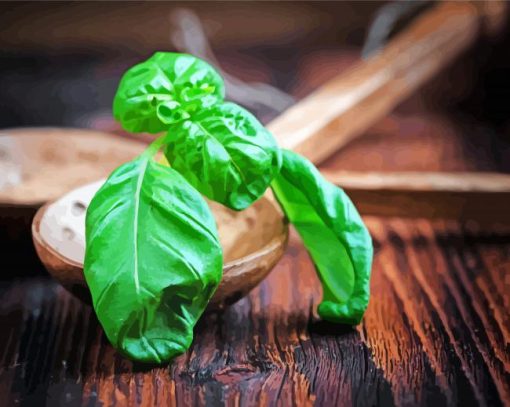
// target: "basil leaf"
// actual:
[[333, 233], [165, 89], [226, 153], [153, 259]]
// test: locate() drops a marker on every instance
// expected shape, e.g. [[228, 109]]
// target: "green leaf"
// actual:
[[166, 88], [153, 259], [333, 233], [226, 153]]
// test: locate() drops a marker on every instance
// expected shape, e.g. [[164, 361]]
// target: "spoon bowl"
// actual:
[[40, 164], [253, 241]]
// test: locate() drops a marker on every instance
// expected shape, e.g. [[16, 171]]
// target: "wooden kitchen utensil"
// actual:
[[253, 241], [40, 164]]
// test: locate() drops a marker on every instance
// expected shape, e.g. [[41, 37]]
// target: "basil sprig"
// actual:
[[153, 258]]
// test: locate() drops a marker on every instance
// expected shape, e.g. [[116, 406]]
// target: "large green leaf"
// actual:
[[166, 88], [333, 233], [226, 153], [153, 259]]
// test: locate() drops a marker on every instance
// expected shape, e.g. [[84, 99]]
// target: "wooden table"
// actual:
[[437, 330]]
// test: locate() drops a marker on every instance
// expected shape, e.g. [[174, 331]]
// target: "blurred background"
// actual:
[[60, 64]]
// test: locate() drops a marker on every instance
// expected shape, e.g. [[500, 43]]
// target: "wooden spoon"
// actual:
[[339, 111], [38, 165], [253, 241]]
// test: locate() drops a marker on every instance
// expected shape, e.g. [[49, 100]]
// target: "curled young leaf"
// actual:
[[153, 259], [166, 88], [226, 153], [333, 233]]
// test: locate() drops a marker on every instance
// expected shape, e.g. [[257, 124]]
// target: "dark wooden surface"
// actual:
[[436, 332]]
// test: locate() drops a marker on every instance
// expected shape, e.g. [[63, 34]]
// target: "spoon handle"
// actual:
[[349, 104]]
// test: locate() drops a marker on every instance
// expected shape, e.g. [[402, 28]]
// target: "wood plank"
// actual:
[[436, 332], [417, 259], [462, 196]]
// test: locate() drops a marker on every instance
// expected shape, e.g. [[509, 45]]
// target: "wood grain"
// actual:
[[436, 331]]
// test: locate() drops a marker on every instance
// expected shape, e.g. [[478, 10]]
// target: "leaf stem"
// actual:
[[154, 147]]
